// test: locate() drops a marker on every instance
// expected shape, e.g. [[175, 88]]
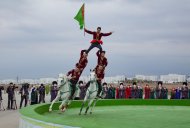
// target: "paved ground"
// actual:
[[10, 118]]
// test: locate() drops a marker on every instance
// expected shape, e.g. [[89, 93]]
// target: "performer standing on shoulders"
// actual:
[[83, 60], [102, 60], [96, 42]]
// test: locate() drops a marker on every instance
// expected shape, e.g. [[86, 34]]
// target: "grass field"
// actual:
[[118, 114]]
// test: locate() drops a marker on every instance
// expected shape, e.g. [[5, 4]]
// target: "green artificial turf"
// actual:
[[118, 114], [126, 117]]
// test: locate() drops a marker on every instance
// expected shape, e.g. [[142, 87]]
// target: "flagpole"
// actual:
[[84, 18]]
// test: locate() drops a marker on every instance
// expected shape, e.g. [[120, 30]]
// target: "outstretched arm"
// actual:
[[88, 31], [107, 34]]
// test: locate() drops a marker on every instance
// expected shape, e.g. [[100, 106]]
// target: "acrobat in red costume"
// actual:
[[96, 42], [83, 60]]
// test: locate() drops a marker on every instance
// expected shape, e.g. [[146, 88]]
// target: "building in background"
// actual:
[[148, 78], [172, 78]]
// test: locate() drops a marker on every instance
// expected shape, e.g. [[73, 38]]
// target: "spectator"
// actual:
[[117, 93], [121, 91], [160, 90], [147, 92], [184, 91], [24, 94], [105, 90], [42, 93], [1, 88], [135, 91], [10, 92], [152, 92], [173, 93], [14, 105], [189, 93], [1, 99], [83, 89], [178, 93], [165, 93], [54, 90], [128, 92], [140, 90], [157, 92], [111, 92], [34, 95]]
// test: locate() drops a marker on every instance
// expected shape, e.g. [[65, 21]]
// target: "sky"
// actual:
[[42, 39]]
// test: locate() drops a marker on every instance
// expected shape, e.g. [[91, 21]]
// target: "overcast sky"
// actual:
[[40, 38]]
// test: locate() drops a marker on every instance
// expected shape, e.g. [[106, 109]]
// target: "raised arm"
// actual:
[[81, 53], [98, 53], [88, 31], [69, 73], [106, 34]]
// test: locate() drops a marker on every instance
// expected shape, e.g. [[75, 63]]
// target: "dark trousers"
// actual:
[[94, 45], [24, 97], [42, 98], [73, 88], [10, 102], [99, 87]]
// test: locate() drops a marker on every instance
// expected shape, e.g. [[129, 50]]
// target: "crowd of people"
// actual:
[[135, 91], [32, 94]]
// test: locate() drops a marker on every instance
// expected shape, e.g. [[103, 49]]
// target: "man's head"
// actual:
[[184, 83], [103, 53], [11, 84], [160, 83], [98, 29], [54, 83]]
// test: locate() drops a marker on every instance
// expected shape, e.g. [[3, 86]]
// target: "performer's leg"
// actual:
[[73, 88], [90, 48], [99, 89], [88, 84], [99, 47]]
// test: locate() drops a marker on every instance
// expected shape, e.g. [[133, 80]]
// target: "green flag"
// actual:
[[80, 17]]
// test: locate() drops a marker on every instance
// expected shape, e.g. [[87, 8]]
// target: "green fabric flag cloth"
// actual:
[[80, 17]]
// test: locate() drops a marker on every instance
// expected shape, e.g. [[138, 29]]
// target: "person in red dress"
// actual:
[[128, 92], [147, 92], [96, 42], [117, 93]]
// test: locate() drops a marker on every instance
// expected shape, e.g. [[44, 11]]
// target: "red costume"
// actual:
[[147, 92], [74, 75], [102, 60], [117, 93], [128, 92], [83, 61], [97, 37], [99, 74]]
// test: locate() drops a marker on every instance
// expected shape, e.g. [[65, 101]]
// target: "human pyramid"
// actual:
[[99, 70], [68, 83]]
